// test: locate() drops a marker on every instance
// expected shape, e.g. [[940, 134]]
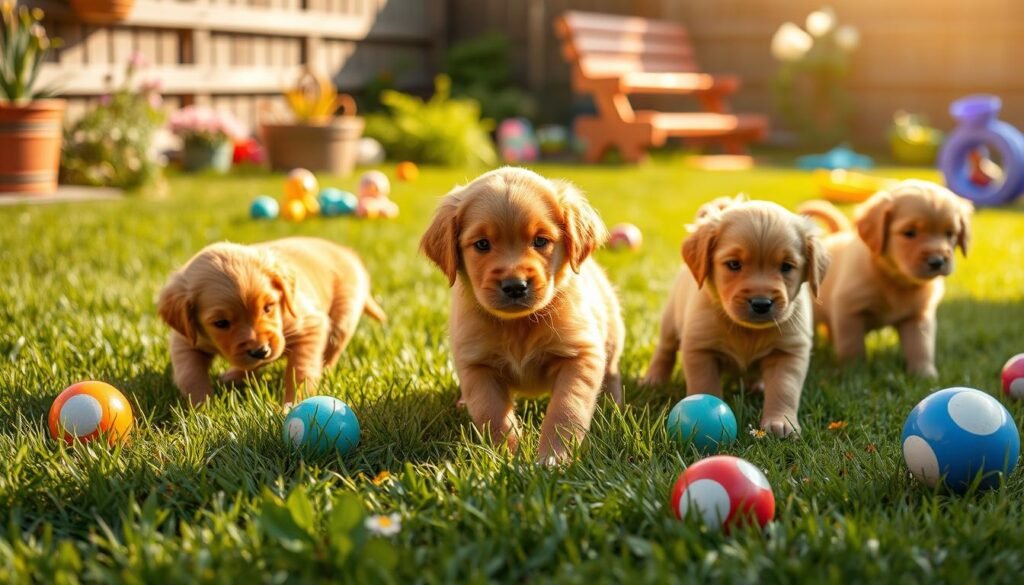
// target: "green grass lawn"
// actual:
[[214, 495]]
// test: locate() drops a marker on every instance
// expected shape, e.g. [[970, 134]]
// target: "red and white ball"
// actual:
[[625, 236], [1013, 377], [724, 491]]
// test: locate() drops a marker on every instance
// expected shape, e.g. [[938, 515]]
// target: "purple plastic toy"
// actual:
[[964, 159]]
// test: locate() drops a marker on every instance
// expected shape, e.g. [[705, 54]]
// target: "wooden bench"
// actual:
[[615, 56]]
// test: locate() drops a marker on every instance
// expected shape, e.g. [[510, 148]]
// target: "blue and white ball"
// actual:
[[321, 424], [955, 434], [703, 420], [335, 202], [264, 207]]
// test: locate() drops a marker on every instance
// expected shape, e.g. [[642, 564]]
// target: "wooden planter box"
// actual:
[[30, 139], [330, 148]]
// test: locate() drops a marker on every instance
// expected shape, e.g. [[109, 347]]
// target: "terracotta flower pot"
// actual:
[[330, 148], [102, 11], [30, 139]]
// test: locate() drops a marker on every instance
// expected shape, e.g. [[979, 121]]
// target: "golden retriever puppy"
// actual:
[[531, 311], [740, 305], [300, 297], [889, 270]]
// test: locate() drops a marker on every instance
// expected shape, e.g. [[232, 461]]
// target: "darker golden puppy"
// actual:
[[252, 304], [531, 312], [740, 304], [890, 269]]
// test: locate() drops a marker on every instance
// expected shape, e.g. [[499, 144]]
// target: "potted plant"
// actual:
[[316, 139], [102, 11], [208, 137], [30, 124]]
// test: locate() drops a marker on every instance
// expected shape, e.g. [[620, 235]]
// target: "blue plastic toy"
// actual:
[[264, 207], [320, 424], [703, 420], [839, 157], [334, 202], [965, 154], [957, 433]]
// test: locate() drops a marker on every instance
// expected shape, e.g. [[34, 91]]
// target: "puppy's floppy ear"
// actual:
[[440, 242], [817, 257], [584, 230], [872, 221], [697, 248], [175, 307], [282, 278], [963, 235]]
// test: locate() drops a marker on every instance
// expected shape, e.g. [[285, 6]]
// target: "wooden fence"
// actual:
[[235, 54], [917, 55]]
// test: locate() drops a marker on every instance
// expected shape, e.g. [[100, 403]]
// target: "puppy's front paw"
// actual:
[[656, 377], [927, 371], [233, 377], [781, 426]]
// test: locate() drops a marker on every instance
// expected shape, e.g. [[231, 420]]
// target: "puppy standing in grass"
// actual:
[[741, 304], [252, 304], [890, 269], [531, 311]]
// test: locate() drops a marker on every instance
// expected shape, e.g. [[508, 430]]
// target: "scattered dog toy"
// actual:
[[957, 433], [516, 141], [321, 424], [724, 491], [407, 171], [294, 210], [264, 207], [374, 190], [625, 236], [843, 186], [1013, 377], [964, 159], [335, 202], [839, 157], [86, 410], [912, 140], [702, 420], [302, 185]]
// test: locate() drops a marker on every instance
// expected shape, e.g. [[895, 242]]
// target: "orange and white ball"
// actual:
[[300, 184], [407, 171], [625, 236], [87, 410]]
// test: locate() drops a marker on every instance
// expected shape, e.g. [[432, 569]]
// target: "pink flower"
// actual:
[[137, 60], [105, 99]]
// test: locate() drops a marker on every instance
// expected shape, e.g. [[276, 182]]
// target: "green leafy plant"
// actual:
[[442, 130], [480, 70], [24, 46], [110, 145]]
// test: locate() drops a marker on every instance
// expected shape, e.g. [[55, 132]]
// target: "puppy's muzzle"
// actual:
[[760, 305], [515, 288], [259, 353], [936, 262]]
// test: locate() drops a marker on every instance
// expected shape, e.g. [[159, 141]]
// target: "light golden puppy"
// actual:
[[740, 304], [890, 269], [252, 304], [531, 311]]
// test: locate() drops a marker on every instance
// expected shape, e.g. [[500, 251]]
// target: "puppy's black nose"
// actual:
[[936, 262], [514, 288], [760, 305], [260, 352]]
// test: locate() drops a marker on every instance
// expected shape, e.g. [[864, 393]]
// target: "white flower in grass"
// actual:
[[848, 38], [872, 545], [821, 22], [791, 42], [382, 525]]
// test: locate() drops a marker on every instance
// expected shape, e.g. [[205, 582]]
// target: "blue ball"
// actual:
[[335, 202], [320, 424], [955, 434], [704, 420], [264, 207]]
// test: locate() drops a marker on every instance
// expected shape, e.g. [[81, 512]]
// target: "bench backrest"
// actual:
[[605, 45]]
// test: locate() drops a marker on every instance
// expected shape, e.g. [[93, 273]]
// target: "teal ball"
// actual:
[[322, 424], [704, 421], [264, 207], [334, 202]]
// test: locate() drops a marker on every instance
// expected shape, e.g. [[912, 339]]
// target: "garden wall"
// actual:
[[915, 54], [237, 54]]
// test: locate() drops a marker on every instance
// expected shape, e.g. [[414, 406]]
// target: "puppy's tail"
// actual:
[[826, 213], [372, 309]]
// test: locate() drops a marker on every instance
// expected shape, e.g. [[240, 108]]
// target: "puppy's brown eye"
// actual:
[[949, 234], [221, 324], [540, 242], [482, 245], [733, 265], [910, 234], [268, 307], [786, 267]]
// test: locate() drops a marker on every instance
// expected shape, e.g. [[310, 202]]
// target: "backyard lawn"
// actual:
[[203, 495]]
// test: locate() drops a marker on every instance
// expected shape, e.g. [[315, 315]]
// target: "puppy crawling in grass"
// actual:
[[300, 297], [743, 303], [531, 311]]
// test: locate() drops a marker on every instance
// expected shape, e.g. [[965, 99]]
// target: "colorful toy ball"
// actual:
[[294, 210], [264, 207], [625, 236], [335, 202], [374, 184], [407, 171], [320, 424], [300, 184], [702, 420], [724, 491], [87, 410], [957, 433], [1013, 377]]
